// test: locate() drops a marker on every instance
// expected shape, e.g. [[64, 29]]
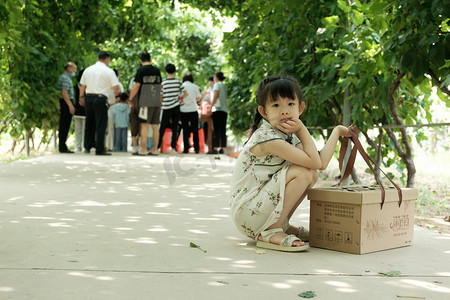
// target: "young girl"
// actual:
[[276, 166]]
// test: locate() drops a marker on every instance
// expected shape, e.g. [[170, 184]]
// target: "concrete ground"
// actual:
[[79, 226]]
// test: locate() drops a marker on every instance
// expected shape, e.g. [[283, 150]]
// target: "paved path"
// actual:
[[87, 227]]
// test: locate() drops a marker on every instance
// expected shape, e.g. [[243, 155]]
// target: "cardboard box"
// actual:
[[350, 219]]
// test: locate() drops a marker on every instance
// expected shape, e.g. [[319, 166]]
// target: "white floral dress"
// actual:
[[257, 184]]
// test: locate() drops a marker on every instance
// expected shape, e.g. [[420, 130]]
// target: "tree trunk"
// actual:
[[31, 135], [406, 154], [47, 144], [437, 82], [13, 146], [27, 143], [5, 125], [43, 140], [55, 145], [355, 177]]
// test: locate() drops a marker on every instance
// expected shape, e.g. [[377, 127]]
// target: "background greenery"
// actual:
[[381, 59]]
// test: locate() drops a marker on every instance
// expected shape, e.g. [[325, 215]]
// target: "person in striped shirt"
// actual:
[[171, 90], [67, 109]]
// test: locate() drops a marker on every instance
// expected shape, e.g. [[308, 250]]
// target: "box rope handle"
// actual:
[[351, 161]]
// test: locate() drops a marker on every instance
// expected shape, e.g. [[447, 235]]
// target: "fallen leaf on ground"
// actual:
[[307, 294], [390, 273], [197, 246]]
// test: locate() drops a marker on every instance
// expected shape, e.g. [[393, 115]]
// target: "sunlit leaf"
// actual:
[[307, 294], [392, 273]]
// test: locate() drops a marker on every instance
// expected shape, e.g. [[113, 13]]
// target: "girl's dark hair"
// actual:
[[188, 77], [211, 78], [270, 89]]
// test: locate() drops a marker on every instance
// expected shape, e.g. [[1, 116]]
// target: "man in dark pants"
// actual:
[[94, 85], [65, 86]]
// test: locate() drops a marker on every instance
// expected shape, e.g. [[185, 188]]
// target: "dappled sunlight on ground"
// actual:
[[413, 283], [121, 224], [341, 286]]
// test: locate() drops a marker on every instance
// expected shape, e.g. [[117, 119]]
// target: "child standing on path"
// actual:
[[121, 113], [276, 167]]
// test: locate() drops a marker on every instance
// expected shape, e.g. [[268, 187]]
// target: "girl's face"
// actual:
[[281, 110]]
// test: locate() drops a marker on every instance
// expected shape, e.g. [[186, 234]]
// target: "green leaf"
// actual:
[[196, 246], [392, 273], [329, 21], [342, 4], [446, 81], [358, 17], [307, 294]]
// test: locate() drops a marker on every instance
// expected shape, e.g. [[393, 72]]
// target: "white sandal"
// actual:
[[285, 244], [303, 233]]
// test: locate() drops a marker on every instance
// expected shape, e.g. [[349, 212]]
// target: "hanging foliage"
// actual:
[[384, 57]]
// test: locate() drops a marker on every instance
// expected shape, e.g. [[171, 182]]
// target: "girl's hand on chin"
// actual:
[[290, 126]]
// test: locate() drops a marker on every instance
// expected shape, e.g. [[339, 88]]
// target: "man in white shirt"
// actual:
[[94, 85]]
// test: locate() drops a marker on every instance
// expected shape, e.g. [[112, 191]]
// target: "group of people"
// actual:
[[98, 87], [103, 111], [274, 169]]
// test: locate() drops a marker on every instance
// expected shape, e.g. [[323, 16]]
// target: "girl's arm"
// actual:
[[307, 157], [286, 151], [330, 146], [309, 146], [306, 153]]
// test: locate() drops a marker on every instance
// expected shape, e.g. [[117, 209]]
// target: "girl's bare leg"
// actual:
[[298, 179]]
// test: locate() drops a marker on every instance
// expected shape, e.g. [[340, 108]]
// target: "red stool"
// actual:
[[167, 141], [201, 140]]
